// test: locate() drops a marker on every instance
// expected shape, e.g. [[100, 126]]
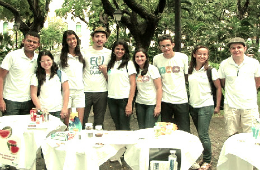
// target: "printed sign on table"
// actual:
[[9, 147]]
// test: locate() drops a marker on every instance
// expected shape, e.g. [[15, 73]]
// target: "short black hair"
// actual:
[[165, 37], [32, 33]]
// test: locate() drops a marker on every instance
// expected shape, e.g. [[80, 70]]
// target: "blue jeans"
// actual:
[[145, 115], [18, 108], [117, 111], [180, 112], [99, 102], [201, 118]]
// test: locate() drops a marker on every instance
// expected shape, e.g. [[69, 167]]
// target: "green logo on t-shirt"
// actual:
[[162, 70]]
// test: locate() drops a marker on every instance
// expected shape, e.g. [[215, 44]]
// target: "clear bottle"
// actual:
[[173, 164]]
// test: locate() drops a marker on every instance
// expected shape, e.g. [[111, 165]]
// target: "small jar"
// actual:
[[89, 129], [99, 131]]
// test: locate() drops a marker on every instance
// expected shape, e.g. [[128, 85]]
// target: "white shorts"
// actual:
[[236, 118], [76, 99]]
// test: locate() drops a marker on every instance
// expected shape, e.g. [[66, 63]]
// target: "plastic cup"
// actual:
[[254, 131]]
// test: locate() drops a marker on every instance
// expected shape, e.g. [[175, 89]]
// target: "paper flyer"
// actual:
[[9, 147]]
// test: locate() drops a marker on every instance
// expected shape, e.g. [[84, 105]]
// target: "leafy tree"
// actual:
[[52, 35], [31, 15], [5, 45], [140, 17]]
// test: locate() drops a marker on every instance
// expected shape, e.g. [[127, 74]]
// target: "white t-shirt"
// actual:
[[240, 87], [145, 86], [118, 80], [50, 94], [199, 88], [17, 81], [94, 80], [74, 72], [173, 81]]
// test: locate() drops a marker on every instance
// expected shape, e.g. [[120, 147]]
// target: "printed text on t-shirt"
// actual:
[[94, 63]]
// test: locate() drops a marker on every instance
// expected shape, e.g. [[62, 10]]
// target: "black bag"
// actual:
[[214, 90]]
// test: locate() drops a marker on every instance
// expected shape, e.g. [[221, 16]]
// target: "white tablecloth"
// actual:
[[82, 154], [30, 140], [137, 155], [240, 152]]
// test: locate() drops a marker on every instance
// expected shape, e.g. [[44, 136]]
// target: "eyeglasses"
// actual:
[[165, 46]]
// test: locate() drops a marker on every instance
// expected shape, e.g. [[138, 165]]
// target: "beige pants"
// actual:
[[234, 118]]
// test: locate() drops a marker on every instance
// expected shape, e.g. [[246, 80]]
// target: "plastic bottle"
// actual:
[[173, 164]]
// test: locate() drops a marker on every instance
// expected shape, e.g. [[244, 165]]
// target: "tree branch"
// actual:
[[116, 4], [32, 7], [81, 18], [160, 7], [139, 9], [10, 8], [108, 7]]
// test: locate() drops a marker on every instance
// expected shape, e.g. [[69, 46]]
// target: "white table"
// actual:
[[137, 155], [29, 140], [240, 152], [81, 154]]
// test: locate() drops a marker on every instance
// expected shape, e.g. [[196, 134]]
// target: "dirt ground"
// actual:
[[216, 131]]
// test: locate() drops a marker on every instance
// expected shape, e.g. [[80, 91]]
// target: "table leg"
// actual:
[[33, 166]]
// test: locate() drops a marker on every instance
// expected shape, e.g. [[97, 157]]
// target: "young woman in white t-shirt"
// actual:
[[201, 100], [121, 85], [149, 90], [71, 61], [48, 89]]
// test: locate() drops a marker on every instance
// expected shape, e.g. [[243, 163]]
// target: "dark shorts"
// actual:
[[18, 108]]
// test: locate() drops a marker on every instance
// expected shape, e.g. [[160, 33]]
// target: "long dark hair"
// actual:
[[146, 64], [65, 50], [41, 73], [125, 58], [193, 59]]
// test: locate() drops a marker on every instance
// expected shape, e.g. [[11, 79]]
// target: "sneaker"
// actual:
[[113, 160], [205, 166], [195, 166]]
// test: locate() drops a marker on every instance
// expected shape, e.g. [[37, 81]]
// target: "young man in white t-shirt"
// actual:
[[240, 76], [16, 70], [95, 84], [173, 67]]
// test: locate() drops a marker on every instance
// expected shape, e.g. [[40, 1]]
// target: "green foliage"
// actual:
[[5, 45], [212, 23], [207, 22], [52, 35], [83, 9]]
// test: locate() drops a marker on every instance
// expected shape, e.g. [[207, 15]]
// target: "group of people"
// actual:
[[98, 77]]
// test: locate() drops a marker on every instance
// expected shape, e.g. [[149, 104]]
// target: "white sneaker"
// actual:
[[195, 166]]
